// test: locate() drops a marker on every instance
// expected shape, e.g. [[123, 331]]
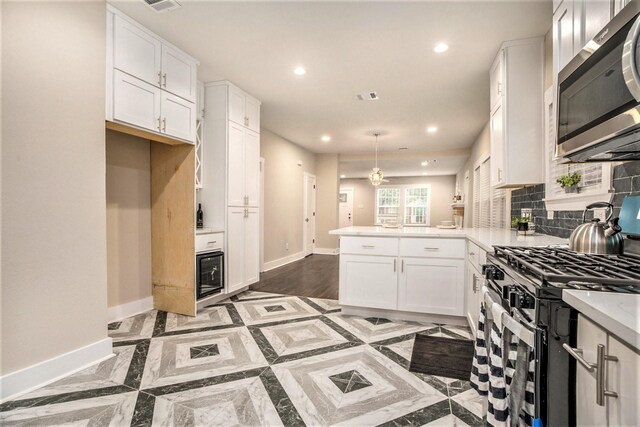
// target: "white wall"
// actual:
[[327, 186], [128, 218], [54, 279], [283, 194]]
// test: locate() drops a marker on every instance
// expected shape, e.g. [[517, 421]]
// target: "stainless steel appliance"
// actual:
[[209, 273], [531, 281], [595, 236], [598, 105]]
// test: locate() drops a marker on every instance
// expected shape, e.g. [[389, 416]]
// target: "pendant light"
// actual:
[[376, 176]]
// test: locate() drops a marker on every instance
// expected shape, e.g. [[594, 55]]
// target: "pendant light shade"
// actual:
[[376, 176]]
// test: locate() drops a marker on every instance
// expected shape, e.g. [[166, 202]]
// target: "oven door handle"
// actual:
[[630, 61]]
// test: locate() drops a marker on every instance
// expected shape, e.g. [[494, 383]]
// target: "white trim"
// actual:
[[349, 310], [305, 238], [35, 376], [119, 312], [283, 261], [262, 163], [326, 251]]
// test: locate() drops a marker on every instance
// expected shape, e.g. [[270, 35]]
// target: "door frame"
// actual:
[[305, 214], [261, 214], [353, 196]]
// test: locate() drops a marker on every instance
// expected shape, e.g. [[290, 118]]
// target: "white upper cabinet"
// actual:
[[244, 109], [563, 36], [178, 73], [136, 52], [516, 129], [141, 69]]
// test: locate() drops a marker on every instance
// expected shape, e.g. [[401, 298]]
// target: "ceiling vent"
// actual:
[[367, 96], [163, 5]]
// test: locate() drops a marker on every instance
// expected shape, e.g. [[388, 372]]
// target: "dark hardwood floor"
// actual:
[[315, 276]]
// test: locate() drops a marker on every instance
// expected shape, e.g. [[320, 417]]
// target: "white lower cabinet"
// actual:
[[369, 281], [622, 377], [242, 257], [472, 295], [406, 274], [431, 285]]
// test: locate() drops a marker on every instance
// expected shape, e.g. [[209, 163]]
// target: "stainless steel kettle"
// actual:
[[596, 237]]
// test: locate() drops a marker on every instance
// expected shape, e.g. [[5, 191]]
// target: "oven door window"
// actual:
[[596, 91]]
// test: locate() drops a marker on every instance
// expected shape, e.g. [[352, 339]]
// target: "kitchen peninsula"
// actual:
[[419, 273]]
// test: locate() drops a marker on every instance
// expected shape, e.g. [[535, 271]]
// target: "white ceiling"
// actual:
[[352, 47]]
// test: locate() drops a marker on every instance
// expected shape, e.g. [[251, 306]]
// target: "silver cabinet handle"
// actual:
[[474, 283], [246, 121], [158, 123], [368, 247], [601, 385], [576, 353], [164, 80], [159, 78], [211, 242], [394, 265], [426, 248], [246, 200], [164, 124], [402, 266]]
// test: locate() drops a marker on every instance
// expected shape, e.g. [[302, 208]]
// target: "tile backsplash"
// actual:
[[626, 180]]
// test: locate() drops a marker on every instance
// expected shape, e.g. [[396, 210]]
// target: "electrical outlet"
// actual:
[[286, 246], [550, 214], [526, 212]]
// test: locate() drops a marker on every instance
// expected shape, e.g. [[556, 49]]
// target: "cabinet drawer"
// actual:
[[369, 245], [209, 242], [433, 248]]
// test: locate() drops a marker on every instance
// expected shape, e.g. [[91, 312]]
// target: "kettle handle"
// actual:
[[598, 205]]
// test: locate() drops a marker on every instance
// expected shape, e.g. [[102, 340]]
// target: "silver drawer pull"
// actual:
[[368, 247], [212, 242], [426, 248], [601, 386], [576, 353]]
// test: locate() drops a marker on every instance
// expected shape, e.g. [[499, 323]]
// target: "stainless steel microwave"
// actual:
[[598, 104]]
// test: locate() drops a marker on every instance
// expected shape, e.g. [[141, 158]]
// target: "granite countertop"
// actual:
[[618, 313], [484, 237]]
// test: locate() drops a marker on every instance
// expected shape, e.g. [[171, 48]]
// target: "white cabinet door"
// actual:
[[178, 117], [472, 295], [623, 377], [593, 18], [587, 412], [235, 178], [497, 145], [178, 73], [236, 105], [251, 246], [235, 249], [431, 285], [368, 281], [252, 167], [136, 102], [618, 5], [563, 36], [252, 113], [495, 81], [136, 52]]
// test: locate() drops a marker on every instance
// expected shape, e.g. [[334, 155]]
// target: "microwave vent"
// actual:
[[163, 5]]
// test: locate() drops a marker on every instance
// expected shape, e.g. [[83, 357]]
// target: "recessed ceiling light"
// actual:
[[325, 138], [441, 47], [425, 163], [299, 71], [425, 173], [343, 176], [432, 129]]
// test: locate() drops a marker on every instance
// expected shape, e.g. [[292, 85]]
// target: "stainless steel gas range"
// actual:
[[530, 282]]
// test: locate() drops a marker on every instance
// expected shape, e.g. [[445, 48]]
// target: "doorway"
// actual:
[[346, 207], [309, 214]]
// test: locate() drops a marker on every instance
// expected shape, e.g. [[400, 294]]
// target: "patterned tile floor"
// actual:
[[255, 359]]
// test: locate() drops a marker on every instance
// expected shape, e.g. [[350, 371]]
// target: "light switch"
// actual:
[[550, 214]]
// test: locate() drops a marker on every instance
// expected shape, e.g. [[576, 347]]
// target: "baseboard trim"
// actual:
[[119, 312], [282, 261], [326, 251], [25, 380]]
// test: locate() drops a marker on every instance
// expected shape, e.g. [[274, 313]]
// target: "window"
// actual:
[[407, 204], [490, 206], [596, 177]]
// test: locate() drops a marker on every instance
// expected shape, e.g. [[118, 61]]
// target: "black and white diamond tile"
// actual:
[[374, 329], [133, 328], [255, 359], [169, 360], [261, 311]]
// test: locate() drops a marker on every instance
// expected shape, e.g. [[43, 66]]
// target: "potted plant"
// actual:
[[570, 182]]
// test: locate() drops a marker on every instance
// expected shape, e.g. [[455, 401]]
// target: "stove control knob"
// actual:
[[491, 272]]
